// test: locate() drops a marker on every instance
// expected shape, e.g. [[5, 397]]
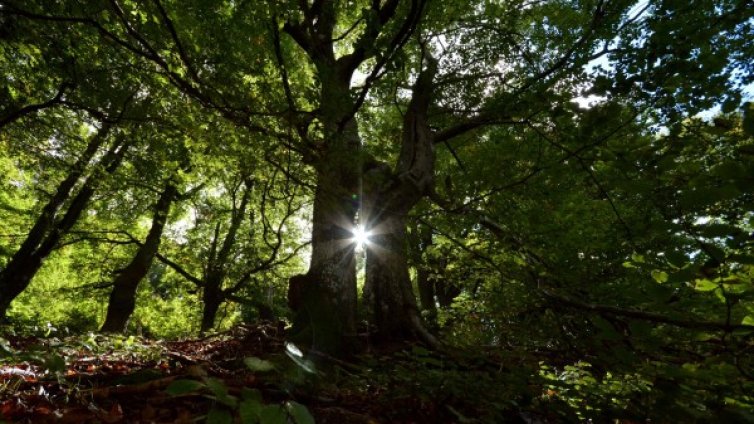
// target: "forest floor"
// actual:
[[250, 374]]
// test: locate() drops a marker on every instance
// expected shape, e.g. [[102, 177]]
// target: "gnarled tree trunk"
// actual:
[[326, 319], [388, 199]]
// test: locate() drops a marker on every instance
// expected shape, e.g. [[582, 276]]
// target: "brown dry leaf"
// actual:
[[43, 410], [76, 416], [11, 408], [114, 415], [184, 417], [148, 413]]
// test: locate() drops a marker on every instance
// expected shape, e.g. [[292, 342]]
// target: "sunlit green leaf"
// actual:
[[299, 413], [258, 365], [659, 276], [704, 285]]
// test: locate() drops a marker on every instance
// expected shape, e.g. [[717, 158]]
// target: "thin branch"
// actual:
[[592, 177], [646, 316], [174, 34], [29, 109]]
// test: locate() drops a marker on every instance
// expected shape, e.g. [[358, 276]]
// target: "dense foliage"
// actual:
[[548, 204]]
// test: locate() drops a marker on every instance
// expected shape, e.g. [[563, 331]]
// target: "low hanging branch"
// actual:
[[646, 316], [499, 232]]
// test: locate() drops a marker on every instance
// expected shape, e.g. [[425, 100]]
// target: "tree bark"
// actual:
[[393, 303], [216, 270], [50, 226], [424, 281], [327, 314], [212, 298], [123, 296], [388, 199], [327, 318]]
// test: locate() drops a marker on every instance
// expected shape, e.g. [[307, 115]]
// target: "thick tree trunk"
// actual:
[[327, 318], [388, 199], [123, 296], [390, 293], [49, 228]]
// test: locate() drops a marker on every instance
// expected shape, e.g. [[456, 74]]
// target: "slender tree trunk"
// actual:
[[212, 298], [50, 227], [446, 292], [424, 281], [217, 262], [426, 293], [123, 296]]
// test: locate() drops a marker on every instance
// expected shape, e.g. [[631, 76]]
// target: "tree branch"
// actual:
[[29, 109]]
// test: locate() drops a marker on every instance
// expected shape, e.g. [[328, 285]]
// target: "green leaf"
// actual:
[[251, 394], [607, 331], [219, 416], [299, 413], [718, 230], [748, 122], [676, 258], [258, 365], [182, 387], [729, 105], [249, 410], [729, 170], [637, 258], [659, 276], [273, 414], [218, 388], [54, 363], [715, 252], [705, 285], [419, 351], [742, 259], [748, 320]]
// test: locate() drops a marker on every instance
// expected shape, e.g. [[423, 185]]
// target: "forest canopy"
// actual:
[[566, 185]]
